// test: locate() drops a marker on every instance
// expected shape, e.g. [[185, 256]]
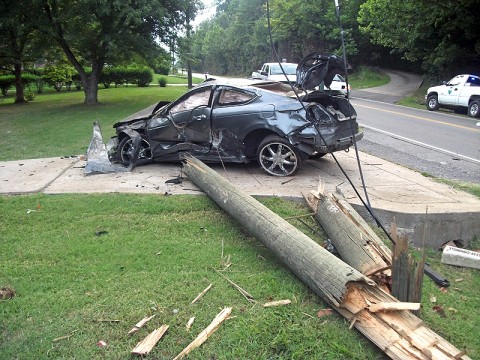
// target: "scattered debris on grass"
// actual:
[[277, 303], [205, 334], [6, 293], [199, 296], [140, 324], [147, 344], [324, 312], [400, 334], [461, 257], [190, 323], [65, 337], [247, 296], [101, 344]]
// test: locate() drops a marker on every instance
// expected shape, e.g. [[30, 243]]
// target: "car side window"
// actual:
[[473, 81], [234, 97], [455, 81], [199, 98]]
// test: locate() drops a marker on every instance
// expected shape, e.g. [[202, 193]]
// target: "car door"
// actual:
[[185, 120], [450, 92]]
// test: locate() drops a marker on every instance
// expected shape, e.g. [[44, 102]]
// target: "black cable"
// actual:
[[367, 205]]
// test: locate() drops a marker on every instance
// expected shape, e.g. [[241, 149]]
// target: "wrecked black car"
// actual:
[[264, 122]]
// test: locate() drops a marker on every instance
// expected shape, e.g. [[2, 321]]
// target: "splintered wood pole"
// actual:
[[398, 333], [407, 274], [356, 243]]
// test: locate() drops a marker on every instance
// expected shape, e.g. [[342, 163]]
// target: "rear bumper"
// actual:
[[340, 144]]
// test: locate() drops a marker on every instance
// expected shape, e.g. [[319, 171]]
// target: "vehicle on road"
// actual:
[[339, 84], [221, 122], [462, 93], [273, 72]]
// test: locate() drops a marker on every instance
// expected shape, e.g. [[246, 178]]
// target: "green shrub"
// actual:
[[8, 81], [143, 77], [58, 76], [162, 81]]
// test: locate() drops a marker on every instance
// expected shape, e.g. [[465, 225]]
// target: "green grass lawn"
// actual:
[[58, 124], [78, 260]]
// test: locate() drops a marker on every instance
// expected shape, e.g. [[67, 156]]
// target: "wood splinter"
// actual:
[[140, 324], [392, 306], [205, 334], [147, 344], [199, 296], [277, 303]]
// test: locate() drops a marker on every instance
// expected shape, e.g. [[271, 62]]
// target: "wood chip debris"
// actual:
[[65, 336], [205, 334], [190, 323], [392, 306], [199, 296], [140, 324], [277, 303], [147, 344]]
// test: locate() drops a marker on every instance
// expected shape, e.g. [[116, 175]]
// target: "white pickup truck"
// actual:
[[273, 72], [460, 93]]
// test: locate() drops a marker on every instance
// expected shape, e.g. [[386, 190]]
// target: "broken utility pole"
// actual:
[[398, 333]]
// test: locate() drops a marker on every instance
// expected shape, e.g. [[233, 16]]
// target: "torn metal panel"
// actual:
[[97, 156]]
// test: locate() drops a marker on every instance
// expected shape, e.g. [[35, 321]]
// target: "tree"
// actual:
[[93, 32], [443, 35], [15, 34]]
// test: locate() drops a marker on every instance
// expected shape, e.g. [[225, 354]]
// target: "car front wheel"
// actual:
[[278, 157], [474, 109], [432, 102], [125, 151]]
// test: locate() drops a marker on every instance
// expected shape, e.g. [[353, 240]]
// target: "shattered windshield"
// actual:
[[199, 98]]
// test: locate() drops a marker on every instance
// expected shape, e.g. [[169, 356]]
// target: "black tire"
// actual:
[[125, 152], [474, 109], [278, 157], [432, 102]]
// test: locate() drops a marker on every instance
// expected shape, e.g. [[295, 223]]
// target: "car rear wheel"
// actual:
[[432, 103], [278, 157], [125, 151], [474, 109]]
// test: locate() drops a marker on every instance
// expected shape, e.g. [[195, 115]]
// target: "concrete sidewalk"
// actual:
[[395, 192]]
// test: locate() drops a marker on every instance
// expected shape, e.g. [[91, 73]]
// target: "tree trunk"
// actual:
[[399, 334], [90, 89], [20, 96]]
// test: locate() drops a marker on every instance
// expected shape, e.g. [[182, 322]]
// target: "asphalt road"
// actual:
[[438, 143]]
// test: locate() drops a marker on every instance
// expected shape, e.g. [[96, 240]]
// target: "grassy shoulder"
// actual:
[[77, 261], [366, 77]]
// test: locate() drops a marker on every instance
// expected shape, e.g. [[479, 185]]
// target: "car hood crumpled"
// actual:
[[317, 67]]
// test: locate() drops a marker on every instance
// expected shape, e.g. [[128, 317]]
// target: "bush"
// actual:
[[8, 81], [143, 77], [162, 68], [58, 76], [162, 81]]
